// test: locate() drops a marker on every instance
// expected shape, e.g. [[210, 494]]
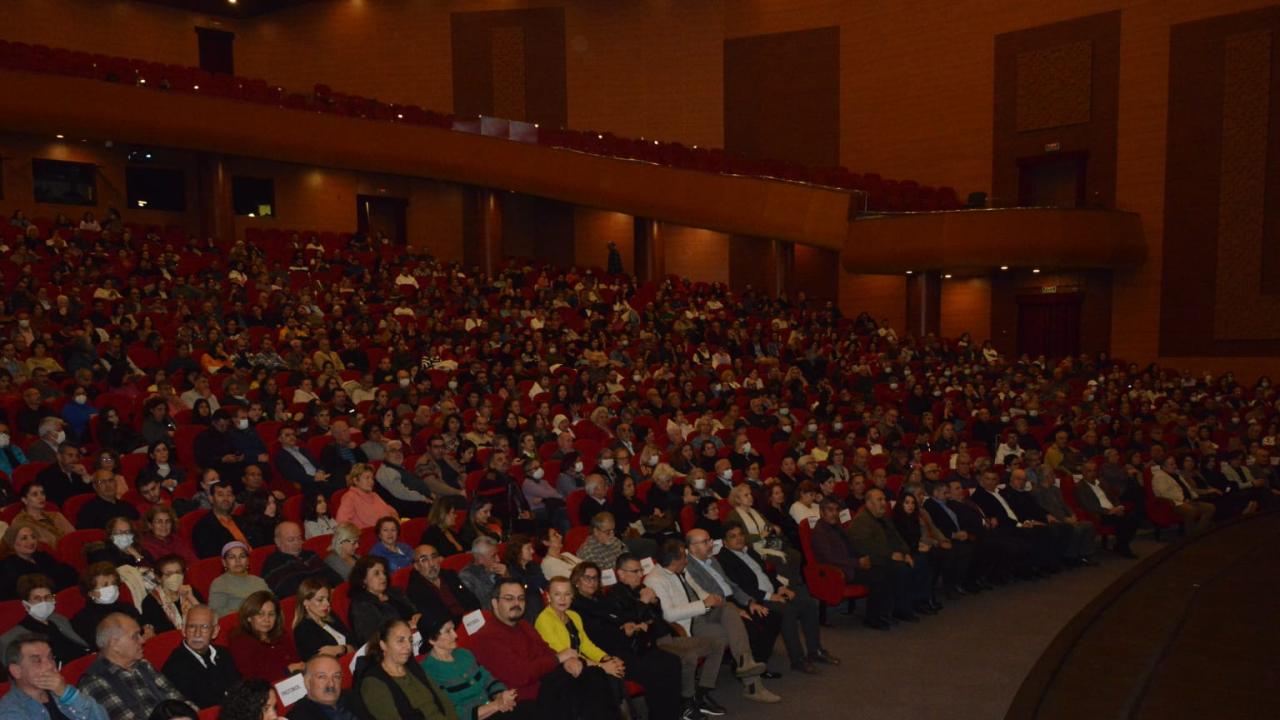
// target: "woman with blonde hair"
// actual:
[[316, 630], [360, 504], [342, 549]]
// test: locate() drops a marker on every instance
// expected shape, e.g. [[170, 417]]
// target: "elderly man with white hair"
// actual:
[[51, 436], [121, 680], [486, 568]]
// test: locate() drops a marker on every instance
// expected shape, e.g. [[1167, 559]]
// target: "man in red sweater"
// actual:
[[549, 685]]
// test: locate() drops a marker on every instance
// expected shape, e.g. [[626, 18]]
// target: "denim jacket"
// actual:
[[17, 705]]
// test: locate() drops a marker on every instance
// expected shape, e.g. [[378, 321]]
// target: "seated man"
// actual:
[[213, 531], [704, 570], [486, 568], [798, 610], [550, 684], [200, 670], [831, 546], [105, 504], [970, 561], [1082, 540], [297, 466], [1034, 541], [39, 688], [437, 592], [1167, 484], [36, 592], [1094, 499], [603, 546], [338, 457], [121, 680], [701, 613], [323, 679], [66, 477], [290, 564], [1019, 497], [229, 589], [872, 535]]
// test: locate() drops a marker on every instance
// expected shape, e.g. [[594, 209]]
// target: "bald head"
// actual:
[[323, 679], [699, 543], [119, 640], [289, 538]]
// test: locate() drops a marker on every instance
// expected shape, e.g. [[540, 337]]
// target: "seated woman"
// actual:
[[36, 592], [342, 549], [518, 559], [388, 547], [49, 525], [160, 535], [360, 505], [392, 685], [115, 435], [373, 600], [259, 645], [165, 607], [247, 700], [120, 548], [232, 587], [474, 691], [561, 628], [556, 560], [806, 504], [440, 523], [316, 630], [316, 520], [479, 523], [100, 586], [261, 515], [25, 558], [170, 476], [707, 517]]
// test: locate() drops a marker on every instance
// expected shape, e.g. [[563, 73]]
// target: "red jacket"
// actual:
[[517, 656]]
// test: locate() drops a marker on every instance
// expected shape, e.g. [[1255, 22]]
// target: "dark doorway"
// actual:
[[216, 50], [379, 214], [1052, 180], [1049, 324]]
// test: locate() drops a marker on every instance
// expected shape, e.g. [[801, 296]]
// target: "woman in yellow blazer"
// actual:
[[561, 629]]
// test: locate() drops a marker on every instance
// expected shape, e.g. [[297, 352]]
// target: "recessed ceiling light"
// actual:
[[400, 116], [195, 87], [947, 276], [1004, 267], [1036, 270], [908, 272], [59, 136]]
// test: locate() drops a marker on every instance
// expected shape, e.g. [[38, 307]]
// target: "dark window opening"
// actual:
[[254, 197], [65, 183], [150, 188], [216, 50]]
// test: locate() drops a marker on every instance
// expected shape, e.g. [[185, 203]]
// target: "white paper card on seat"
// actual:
[[646, 564], [417, 642], [813, 522], [716, 546], [473, 621], [845, 516], [291, 689], [607, 578], [356, 658]]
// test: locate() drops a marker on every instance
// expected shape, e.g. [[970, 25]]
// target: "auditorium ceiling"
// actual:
[[240, 9]]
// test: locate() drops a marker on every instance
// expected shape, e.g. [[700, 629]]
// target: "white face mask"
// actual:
[[811, 427], [404, 382], [726, 474], [122, 540], [577, 467], [82, 399], [784, 411], [893, 386], [242, 423], [837, 426], [699, 483], [746, 448], [41, 610], [107, 595], [4, 440], [786, 428], [653, 460], [173, 583], [607, 463], [60, 437], [537, 474]]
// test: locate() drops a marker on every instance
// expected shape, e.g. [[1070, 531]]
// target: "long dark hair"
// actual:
[[246, 700]]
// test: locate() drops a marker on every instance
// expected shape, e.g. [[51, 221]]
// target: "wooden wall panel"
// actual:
[[510, 63], [593, 230], [701, 255], [881, 296], [966, 308]]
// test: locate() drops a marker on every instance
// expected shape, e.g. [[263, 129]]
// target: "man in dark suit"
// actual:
[[437, 592], [1019, 496], [104, 505], [762, 626], [324, 700], [201, 671], [1002, 520], [338, 456], [1002, 555], [218, 527], [66, 477], [872, 534], [290, 564], [798, 609], [1094, 499], [969, 561], [297, 466]]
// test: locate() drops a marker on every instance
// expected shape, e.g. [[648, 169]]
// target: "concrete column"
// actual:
[[924, 302]]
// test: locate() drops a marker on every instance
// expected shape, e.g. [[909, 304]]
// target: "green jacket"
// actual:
[[876, 537]]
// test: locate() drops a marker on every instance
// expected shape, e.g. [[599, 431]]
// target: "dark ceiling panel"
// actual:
[[239, 9]]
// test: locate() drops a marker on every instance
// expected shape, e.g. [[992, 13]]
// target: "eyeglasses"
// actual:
[[590, 578], [511, 598], [203, 627]]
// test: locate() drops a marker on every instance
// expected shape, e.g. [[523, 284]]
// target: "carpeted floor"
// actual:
[[965, 663]]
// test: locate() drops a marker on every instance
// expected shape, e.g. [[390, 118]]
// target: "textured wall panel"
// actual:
[[507, 47], [1054, 86]]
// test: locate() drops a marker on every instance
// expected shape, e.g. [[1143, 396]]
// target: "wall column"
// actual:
[[648, 254], [213, 188], [924, 302]]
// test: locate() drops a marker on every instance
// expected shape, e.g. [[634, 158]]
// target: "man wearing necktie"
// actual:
[[1167, 484]]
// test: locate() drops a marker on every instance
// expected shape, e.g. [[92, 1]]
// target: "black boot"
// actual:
[[708, 705]]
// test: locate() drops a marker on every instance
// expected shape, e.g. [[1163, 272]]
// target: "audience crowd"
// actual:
[[437, 493]]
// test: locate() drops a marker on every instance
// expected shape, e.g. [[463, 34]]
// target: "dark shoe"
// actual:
[[906, 617], [926, 609], [822, 656], [707, 705], [958, 590], [876, 624], [805, 667], [1085, 562], [691, 710], [767, 675], [1125, 552]]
